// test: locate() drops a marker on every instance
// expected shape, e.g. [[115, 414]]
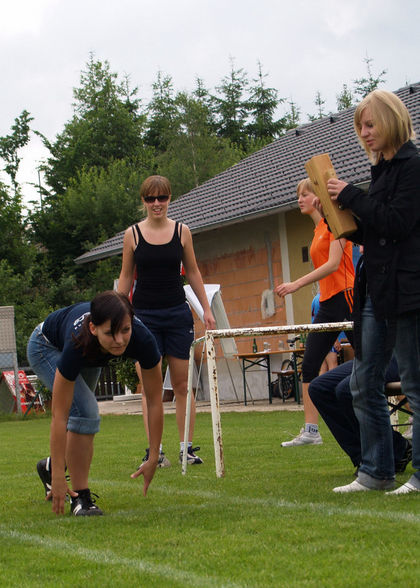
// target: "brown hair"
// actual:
[[391, 118], [108, 305], [155, 185]]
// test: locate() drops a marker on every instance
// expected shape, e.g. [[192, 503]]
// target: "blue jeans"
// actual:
[[370, 404], [84, 413], [407, 350], [331, 395]]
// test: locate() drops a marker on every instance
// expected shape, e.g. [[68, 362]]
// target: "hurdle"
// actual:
[[209, 338]]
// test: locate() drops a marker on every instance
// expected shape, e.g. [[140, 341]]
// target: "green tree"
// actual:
[[195, 153], [14, 244], [344, 99], [363, 86], [97, 204], [292, 116], [232, 107], [162, 114], [263, 104], [106, 125], [319, 103], [11, 144]]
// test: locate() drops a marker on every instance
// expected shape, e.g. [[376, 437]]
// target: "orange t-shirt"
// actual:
[[341, 279]]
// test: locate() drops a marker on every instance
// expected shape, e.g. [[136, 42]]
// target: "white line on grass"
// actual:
[[321, 507], [107, 557]]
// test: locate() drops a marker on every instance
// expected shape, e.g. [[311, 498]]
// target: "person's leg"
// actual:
[[178, 369], [407, 350], [83, 424], [370, 406], [317, 346], [79, 454], [179, 379], [330, 393]]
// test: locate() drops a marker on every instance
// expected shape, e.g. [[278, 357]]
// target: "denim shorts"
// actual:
[[173, 328], [43, 357]]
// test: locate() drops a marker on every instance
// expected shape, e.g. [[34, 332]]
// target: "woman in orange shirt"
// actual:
[[332, 259]]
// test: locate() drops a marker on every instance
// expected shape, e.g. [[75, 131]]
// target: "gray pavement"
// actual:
[[132, 405]]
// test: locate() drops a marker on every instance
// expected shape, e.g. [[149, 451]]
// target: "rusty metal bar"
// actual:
[[210, 336]]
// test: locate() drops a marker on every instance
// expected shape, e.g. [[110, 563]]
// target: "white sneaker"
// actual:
[[355, 486], [304, 438], [404, 489]]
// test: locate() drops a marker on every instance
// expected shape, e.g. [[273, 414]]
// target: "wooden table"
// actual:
[[261, 359]]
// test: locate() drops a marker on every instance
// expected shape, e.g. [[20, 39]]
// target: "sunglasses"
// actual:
[[151, 199]]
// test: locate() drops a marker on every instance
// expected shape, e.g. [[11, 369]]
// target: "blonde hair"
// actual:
[[305, 184], [390, 116]]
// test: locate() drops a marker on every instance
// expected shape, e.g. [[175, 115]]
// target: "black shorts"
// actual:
[[338, 308], [173, 328]]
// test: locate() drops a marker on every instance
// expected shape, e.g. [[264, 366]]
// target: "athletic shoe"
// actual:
[[402, 463], [44, 472], [192, 459], [406, 488], [355, 486], [84, 505], [163, 461], [304, 438]]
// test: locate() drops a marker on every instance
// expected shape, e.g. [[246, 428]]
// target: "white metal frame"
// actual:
[[209, 338]]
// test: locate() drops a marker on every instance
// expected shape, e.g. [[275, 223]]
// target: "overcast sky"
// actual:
[[304, 46]]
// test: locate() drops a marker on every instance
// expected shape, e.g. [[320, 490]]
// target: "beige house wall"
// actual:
[[238, 258]]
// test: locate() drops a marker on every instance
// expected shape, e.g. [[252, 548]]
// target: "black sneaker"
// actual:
[[192, 459], [44, 472], [84, 505], [163, 460], [403, 463], [44, 469]]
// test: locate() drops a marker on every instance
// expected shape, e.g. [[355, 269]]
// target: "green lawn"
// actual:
[[272, 521]]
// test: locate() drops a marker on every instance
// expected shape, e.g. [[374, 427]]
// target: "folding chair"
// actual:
[[397, 402]]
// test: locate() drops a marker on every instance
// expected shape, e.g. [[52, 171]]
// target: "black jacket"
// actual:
[[388, 219]]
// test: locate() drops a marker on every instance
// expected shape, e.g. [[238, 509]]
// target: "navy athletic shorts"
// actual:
[[172, 327]]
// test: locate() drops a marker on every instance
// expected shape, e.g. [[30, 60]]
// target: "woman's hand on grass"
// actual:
[[147, 470]]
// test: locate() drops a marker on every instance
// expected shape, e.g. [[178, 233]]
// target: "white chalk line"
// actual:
[[109, 558], [213, 499]]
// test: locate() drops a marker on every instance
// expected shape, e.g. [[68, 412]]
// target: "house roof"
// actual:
[[265, 182]]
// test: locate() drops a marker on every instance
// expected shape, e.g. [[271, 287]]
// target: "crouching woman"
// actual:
[[67, 352]]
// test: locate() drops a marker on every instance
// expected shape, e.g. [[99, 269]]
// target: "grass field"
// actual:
[[272, 521]]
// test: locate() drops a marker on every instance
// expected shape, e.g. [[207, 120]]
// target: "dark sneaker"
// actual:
[[403, 463], [163, 460], [192, 459], [44, 472], [84, 505]]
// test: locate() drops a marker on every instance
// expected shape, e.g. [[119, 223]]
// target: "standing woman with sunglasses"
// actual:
[[156, 247]]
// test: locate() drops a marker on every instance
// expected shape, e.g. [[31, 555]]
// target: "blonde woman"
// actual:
[[332, 259], [387, 298]]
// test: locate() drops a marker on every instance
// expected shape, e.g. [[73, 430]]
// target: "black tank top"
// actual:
[[159, 280]]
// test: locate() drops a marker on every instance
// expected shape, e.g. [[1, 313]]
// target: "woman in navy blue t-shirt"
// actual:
[[67, 352]]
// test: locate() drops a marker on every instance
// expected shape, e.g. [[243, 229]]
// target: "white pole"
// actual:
[[215, 409], [188, 409]]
